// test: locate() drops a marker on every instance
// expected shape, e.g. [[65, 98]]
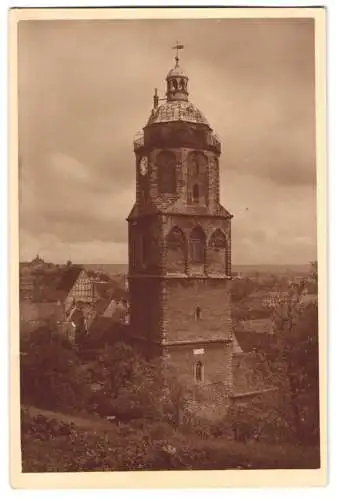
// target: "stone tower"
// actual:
[[180, 241]]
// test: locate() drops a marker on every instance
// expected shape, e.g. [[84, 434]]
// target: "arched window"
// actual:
[[217, 240], [197, 164], [197, 245], [166, 165], [217, 253], [195, 193], [198, 371], [197, 173], [176, 250]]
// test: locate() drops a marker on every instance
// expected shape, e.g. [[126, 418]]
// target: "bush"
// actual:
[[258, 420], [52, 375], [49, 445]]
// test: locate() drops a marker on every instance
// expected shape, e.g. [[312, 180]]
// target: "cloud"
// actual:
[[85, 89]]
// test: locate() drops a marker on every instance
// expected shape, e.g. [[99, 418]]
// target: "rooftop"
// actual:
[[175, 111]]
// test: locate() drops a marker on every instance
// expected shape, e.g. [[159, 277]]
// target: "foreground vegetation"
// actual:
[[56, 445], [67, 396]]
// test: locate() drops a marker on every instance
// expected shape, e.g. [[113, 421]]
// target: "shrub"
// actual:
[[52, 375]]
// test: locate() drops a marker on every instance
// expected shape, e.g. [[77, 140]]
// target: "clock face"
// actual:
[[143, 165]]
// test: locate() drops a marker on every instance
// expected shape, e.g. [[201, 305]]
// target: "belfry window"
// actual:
[[197, 245], [217, 240], [166, 165], [194, 168], [176, 250], [198, 371]]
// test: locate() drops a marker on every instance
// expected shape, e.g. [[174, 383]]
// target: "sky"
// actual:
[[85, 89]]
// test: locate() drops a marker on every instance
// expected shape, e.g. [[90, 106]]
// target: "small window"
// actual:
[[197, 313], [199, 369], [195, 193]]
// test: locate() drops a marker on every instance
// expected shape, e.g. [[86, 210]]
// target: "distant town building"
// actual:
[[26, 284], [259, 326], [267, 299], [68, 298]]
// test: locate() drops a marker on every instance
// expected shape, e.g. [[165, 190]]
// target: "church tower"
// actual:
[[180, 241]]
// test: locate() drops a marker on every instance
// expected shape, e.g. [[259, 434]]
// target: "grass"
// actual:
[[96, 445], [88, 422]]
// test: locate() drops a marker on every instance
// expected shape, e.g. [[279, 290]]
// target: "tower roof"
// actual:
[[177, 71], [175, 111], [176, 107]]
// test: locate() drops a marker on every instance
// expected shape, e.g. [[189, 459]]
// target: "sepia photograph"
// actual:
[[171, 244]]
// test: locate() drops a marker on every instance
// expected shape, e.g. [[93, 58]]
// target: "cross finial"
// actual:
[[178, 46]]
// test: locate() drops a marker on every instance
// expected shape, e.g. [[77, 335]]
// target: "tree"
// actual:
[[314, 270], [242, 288], [152, 391], [294, 362], [52, 375]]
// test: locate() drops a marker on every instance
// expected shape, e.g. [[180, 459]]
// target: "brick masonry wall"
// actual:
[[216, 262], [209, 179], [216, 360], [183, 296], [146, 308], [165, 294]]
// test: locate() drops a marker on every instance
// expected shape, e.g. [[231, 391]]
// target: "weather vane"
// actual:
[[178, 46]]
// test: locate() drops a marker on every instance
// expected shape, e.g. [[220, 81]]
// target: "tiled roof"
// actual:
[[250, 342], [176, 206], [98, 275], [260, 325], [101, 306], [33, 311], [103, 327], [104, 289], [115, 310], [179, 207], [309, 298], [175, 111], [68, 278], [177, 71]]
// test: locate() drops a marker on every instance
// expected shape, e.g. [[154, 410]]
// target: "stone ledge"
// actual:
[[252, 394], [181, 276], [226, 341]]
